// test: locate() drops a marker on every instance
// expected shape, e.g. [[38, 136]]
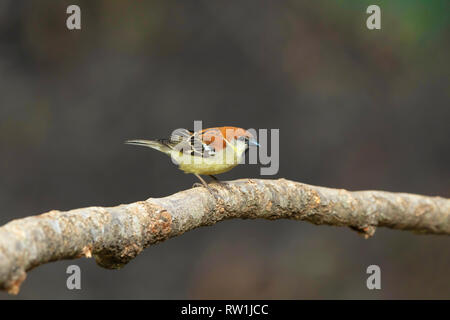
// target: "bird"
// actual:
[[205, 152]]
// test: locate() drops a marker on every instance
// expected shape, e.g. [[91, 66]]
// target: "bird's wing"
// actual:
[[191, 143]]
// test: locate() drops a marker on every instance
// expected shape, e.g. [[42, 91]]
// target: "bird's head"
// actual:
[[246, 137], [220, 138], [239, 137]]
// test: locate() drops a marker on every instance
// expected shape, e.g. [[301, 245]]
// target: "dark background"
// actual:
[[356, 109]]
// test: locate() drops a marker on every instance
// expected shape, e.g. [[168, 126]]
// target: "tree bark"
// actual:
[[116, 235]]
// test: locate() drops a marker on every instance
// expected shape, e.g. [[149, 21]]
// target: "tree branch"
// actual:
[[116, 235]]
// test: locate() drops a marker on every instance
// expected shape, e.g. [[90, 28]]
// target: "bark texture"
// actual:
[[115, 235]]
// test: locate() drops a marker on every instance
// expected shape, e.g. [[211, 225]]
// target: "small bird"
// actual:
[[207, 152]]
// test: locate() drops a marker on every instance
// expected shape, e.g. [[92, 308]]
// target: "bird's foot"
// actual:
[[214, 192], [219, 182], [205, 185]]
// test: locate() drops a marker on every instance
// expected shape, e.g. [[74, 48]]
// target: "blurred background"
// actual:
[[356, 109]]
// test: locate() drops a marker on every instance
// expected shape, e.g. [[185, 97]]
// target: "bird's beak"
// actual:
[[253, 142]]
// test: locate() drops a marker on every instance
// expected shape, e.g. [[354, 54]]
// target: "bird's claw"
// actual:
[[211, 190], [223, 184], [197, 185]]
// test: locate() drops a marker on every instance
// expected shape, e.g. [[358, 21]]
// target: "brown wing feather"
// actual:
[[205, 143], [190, 142]]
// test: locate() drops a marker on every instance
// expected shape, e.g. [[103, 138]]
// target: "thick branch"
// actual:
[[116, 235]]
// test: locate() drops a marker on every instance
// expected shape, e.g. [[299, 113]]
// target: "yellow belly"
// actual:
[[206, 169], [217, 164]]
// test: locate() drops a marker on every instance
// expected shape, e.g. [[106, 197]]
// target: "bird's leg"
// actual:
[[222, 183], [215, 179], [202, 181], [213, 192]]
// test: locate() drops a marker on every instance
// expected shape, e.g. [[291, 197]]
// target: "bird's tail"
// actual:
[[159, 145]]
